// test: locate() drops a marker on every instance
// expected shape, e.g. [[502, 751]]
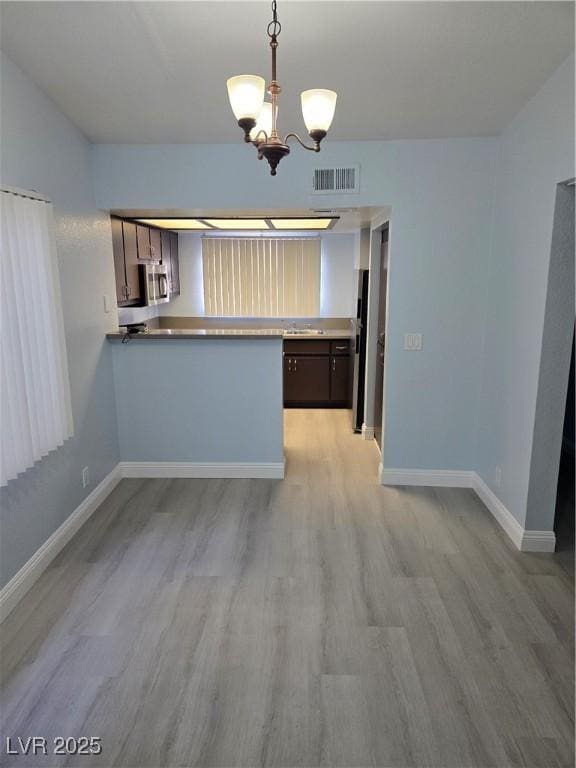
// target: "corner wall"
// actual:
[[535, 153], [42, 150]]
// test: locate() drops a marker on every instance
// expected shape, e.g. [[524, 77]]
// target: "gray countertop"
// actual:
[[228, 333]]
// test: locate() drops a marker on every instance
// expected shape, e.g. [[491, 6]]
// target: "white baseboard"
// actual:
[[21, 582], [367, 432], [525, 541], [502, 514], [201, 469], [446, 478]]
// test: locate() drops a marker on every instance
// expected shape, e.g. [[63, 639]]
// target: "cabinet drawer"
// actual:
[[340, 347], [306, 347]]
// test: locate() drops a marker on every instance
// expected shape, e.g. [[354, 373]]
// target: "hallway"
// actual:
[[317, 621]]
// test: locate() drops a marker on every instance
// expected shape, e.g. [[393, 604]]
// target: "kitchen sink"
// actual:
[[304, 331]]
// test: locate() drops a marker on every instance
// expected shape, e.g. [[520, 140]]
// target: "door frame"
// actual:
[[555, 354], [376, 228]]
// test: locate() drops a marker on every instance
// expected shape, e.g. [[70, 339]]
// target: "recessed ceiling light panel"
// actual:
[[301, 223], [175, 223], [237, 223]]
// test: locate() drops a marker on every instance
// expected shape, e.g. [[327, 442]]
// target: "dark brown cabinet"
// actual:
[[316, 373], [143, 240], [175, 267], [131, 262], [155, 246], [119, 265], [134, 244], [339, 379], [170, 260], [306, 379], [125, 251]]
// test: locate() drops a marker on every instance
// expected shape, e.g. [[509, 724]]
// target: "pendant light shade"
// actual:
[[246, 94], [263, 123], [318, 106]]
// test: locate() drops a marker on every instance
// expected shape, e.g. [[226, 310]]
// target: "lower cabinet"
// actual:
[[313, 376], [339, 379], [306, 379]]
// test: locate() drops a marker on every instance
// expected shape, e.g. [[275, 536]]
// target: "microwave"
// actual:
[[154, 278]]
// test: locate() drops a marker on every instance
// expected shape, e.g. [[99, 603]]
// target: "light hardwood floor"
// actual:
[[317, 621]]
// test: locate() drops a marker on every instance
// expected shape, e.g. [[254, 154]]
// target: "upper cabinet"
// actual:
[[125, 249], [175, 269], [134, 244], [155, 247], [143, 239]]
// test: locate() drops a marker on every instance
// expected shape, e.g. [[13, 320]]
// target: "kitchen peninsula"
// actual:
[[200, 402]]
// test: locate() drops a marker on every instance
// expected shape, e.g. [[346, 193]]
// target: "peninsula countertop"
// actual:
[[227, 333]]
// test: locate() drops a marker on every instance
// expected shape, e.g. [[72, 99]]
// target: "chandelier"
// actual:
[[258, 118]]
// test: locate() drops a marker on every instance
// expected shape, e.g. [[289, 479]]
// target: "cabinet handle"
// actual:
[[343, 348], [334, 364]]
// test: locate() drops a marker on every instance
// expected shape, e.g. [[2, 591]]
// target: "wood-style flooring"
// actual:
[[317, 621]]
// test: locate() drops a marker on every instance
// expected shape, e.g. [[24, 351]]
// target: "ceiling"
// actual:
[[155, 72]]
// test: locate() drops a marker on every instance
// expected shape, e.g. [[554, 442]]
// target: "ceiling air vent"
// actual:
[[331, 181]]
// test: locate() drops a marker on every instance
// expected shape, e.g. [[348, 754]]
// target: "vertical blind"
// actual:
[[261, 277], [35, 403]]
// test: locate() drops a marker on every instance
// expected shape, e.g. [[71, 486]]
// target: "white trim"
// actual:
[[538, 541], [501, 513], [201, 469], [21, 582], [367, 432], [432, 477], [525, 541]]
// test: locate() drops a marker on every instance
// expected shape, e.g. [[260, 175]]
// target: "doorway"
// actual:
[[381, 338], [556, 348], [564, 514]]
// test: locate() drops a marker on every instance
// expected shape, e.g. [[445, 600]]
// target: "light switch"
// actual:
[[107, 307], [413, 342]]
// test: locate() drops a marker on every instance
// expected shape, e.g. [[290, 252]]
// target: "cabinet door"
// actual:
[[119, 267], [155, 245], [143, 240], [306, 379], [339, 379], [166, 257], [175, 263], [131, 262]]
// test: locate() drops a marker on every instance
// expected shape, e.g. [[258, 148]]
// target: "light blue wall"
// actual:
[[207, 400], [535, 153], [42, 150], [440, 193]]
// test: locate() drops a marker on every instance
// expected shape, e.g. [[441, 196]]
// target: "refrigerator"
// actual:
[[360, 328]]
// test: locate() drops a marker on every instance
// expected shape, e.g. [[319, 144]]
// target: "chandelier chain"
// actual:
[[274, 27]]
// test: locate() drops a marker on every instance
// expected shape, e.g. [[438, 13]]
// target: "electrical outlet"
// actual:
[[498, 477], [413, 342], [85, 477]]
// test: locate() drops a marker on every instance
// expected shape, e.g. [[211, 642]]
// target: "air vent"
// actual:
[[330, 181]]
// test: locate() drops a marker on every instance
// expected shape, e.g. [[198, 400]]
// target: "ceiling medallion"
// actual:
[[257, 118]]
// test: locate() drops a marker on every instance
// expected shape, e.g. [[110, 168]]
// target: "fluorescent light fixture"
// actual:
[[301, 223], [237, 223], [175, 223]]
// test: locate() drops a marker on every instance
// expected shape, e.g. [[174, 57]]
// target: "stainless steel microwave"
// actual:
[[155, 283]]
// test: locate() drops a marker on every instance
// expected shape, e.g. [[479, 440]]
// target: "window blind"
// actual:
[[35, 403], [261, 277]]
